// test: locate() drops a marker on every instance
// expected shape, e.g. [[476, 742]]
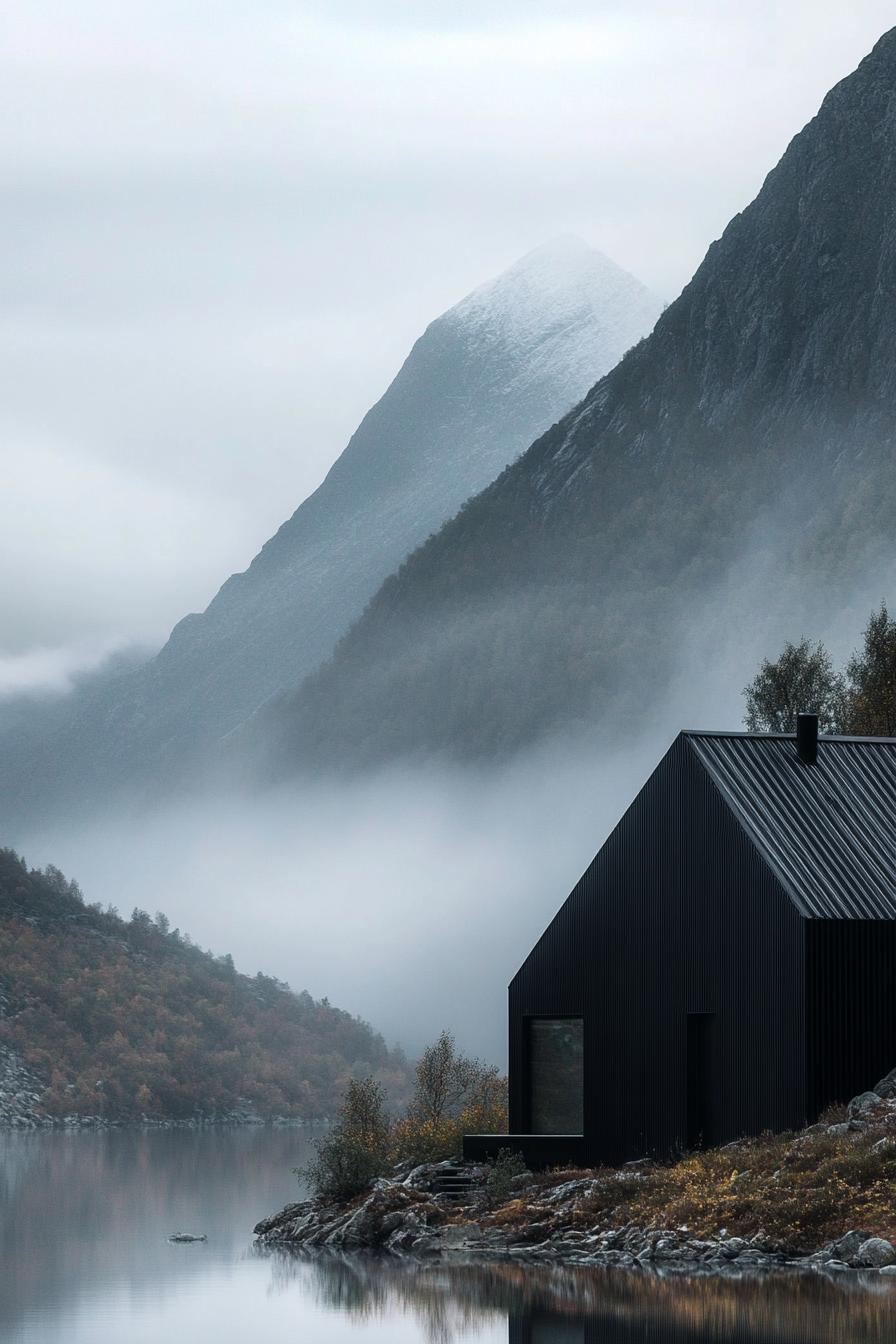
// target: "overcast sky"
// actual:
[[223, 225]]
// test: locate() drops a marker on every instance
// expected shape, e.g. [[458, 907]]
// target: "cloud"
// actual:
[[52, 671], [410, 898], [222, 229], [93, 553]]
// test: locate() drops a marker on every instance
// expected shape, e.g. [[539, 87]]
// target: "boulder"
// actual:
[[461, 1234], [864, 1105], [887, 1085], [286, 1215], [875, 1253], [846, 1248]]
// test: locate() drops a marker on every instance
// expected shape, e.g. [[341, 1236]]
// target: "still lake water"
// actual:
[[84, 1259]]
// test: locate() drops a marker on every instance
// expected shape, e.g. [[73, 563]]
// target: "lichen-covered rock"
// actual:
[[887, 1085], [390, 1208], [875, 1253], [287, 1215], [865, 1104], [845, 1248]]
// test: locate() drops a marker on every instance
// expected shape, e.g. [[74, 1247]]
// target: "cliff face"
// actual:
[[481, 381], [745, 448]]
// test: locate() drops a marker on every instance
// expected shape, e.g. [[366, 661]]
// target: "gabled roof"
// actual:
[[828, 831]]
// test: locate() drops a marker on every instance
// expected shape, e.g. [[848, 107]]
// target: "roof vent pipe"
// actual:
[[807, 738]]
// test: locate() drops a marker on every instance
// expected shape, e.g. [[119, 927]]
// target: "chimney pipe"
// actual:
[[807, 738]]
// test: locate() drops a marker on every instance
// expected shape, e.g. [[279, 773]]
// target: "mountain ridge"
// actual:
[[483, 377], [762, 404]]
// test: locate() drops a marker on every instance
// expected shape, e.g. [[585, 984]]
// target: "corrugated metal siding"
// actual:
[[677, 914], [827, 830], [851, 1026]]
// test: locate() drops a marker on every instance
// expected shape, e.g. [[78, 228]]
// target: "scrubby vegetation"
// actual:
[[453, 1095], [356, 1149], [506, 1170], [127, 1017], [782, 1195], [800, 1191]]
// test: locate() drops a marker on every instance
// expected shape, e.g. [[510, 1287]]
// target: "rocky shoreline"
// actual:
[[451, 1209], [406, 1216], [233, 1119]]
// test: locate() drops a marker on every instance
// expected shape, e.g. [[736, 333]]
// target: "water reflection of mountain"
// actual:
[[569, 1306], [90, 1210]]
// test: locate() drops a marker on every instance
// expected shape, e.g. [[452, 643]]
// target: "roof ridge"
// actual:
[[787, 737]]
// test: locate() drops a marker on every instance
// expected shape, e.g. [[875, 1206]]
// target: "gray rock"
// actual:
[[839, 1130], [875, 1253], [461, 1233], [733, 1247], [287, 1215], [889, 1270], [865, 1104], [887, 1085], [846, 1247]]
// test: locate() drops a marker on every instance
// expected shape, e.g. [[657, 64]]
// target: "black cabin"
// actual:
[[726, 965]]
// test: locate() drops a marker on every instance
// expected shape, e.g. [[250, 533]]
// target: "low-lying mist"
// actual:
[[411, 896]]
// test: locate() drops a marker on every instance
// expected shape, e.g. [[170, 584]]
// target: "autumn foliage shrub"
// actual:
[[356, 1149], [453, 1095]]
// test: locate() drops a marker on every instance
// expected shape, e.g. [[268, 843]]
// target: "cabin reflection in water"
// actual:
[[543, 1327]]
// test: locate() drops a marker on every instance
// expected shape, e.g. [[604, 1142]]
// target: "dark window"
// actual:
[[556, 1075]]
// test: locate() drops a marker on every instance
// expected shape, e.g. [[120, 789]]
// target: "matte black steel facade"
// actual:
[[682, 930]]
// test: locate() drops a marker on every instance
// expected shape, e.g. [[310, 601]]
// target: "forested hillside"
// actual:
[[734, 473], [125, 1018]]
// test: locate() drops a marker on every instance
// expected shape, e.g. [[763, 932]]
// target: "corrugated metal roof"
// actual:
[[828, 830]]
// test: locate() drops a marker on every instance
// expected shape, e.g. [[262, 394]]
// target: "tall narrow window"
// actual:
[[556, 1075]]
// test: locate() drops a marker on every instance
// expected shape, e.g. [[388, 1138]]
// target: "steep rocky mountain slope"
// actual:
[[740, 457], [481, 381], [123, 1018]]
